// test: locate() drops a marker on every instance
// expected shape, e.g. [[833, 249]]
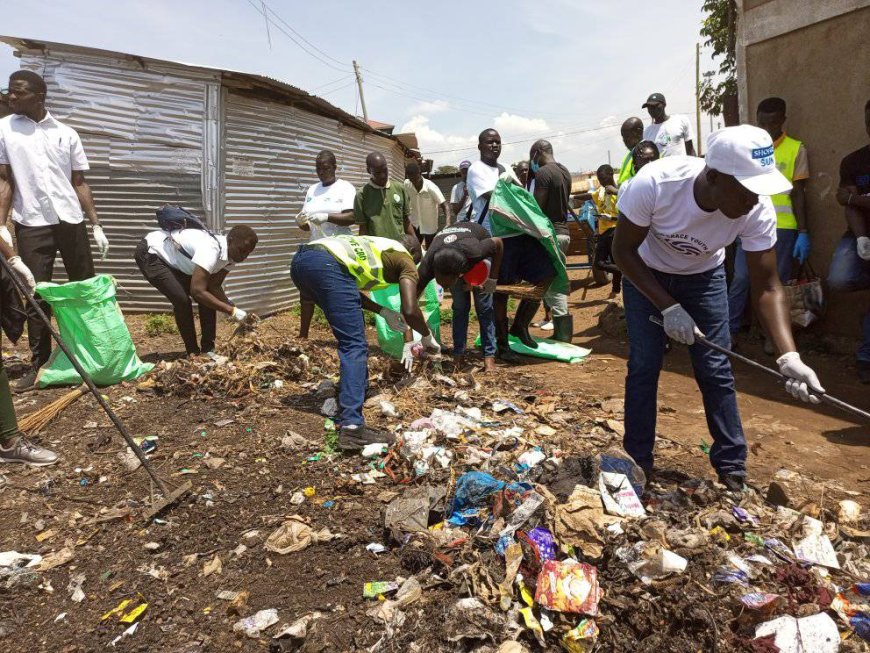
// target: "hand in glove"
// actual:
[[394, 319], [318, 218], [800, 379], [431, 345], [238, 314], [101, 241], [25, 276], [408, 354], [5, 235], [301, 219], [801, 249], [488, 286], [679, 325], [864, 248]]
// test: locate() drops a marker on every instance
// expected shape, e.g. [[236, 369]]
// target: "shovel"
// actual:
[[169, 495], [828, 399]]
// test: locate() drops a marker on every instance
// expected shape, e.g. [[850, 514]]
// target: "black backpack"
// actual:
[[173, 218]]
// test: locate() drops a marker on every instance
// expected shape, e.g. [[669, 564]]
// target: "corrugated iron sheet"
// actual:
[[269, 153]]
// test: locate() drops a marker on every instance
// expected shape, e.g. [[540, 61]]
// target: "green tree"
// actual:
[[446, 170], [719, 87]]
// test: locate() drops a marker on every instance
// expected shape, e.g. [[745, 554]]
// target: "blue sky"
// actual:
[[570, 70]]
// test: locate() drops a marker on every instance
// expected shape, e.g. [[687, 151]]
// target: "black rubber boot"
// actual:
[[503, 351], [563, 328], [525, 314]]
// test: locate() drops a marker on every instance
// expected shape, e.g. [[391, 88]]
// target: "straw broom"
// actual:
[[39, 419]]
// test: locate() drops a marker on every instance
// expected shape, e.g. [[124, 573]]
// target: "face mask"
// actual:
[[533, 166]]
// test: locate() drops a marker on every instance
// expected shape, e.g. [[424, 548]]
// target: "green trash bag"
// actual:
[[92, 326], [515, 211], [392, 342], [564, 352]]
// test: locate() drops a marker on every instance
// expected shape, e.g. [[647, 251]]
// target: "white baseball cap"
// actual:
[[746, 153]]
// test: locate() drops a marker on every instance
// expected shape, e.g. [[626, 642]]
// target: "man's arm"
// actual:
[[770, 299], [411, 307], [497, 257], [627, 239], [448, 214], [799, 202], [848, 196], [343, 219], [200, 290], [86, 199], [7, 188], [542, 194], [690, 148], [216, 286]]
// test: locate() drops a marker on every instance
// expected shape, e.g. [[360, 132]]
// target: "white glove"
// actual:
[[800, 378], [101, 241], [863, 247], [238, 314], [5, 235], [431, 345], [488, 286], [318, 218], [394, 319], [25, 276], [408, 354], [679, 325], [301, 219]]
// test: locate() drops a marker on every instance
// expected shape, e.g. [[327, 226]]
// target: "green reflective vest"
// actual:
[[627, 170], [785, 154], [361, 255]]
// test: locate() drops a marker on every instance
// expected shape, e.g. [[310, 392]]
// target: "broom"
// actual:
[[39, 419]]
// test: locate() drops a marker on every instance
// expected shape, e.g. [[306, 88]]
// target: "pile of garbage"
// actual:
[[550, 550]]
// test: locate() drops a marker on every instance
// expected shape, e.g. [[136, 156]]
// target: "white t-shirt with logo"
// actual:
[[670, 136], [205, 251], [335, 198], [683, 238]]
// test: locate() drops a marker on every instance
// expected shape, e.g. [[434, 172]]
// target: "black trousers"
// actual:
[[604, 259], [175, 286], [38, 247]]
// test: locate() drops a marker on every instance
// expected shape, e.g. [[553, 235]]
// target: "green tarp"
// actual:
[[563, 352], [92, 326], [392, 342], [514, 211]]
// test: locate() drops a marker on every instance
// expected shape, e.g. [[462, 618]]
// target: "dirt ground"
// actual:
[[90, 504]]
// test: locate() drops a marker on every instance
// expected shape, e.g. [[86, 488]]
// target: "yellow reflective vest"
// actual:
[[785, 154], [361, 255]]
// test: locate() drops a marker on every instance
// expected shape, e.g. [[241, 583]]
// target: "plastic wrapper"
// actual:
[[618, 495], [568, 586], [376, 588], [815, 634], [581, 638]]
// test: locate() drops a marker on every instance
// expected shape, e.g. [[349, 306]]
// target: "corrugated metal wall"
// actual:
[[269, 151], [143, 134]]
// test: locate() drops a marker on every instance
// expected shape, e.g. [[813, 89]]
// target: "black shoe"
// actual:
[[563, 328], [733, 482], [523, 318], [507, 355], [26, 382], [864, 371], [353, 440]]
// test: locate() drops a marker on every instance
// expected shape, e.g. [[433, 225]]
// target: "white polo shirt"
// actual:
[[206, 251], [43, 156], [684, 238], [424, 205]]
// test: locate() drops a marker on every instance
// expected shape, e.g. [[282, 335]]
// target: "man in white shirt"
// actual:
[[671, 134], [483, 175], [675, 220], [459, 200], [194, 263], [328, 211], [426, 199], [42, 180]]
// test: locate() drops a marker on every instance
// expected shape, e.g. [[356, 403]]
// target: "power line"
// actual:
[[340, 88], [334, 81], [290, 27]]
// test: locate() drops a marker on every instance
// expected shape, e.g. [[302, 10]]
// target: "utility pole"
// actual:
[[608, 157], [698, 95], [362, 98]]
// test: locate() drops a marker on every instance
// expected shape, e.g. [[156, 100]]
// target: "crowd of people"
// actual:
[[663, 220]]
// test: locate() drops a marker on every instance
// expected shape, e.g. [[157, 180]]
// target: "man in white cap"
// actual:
[[675, 220]]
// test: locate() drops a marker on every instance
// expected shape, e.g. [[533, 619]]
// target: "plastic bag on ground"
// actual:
[[252, 626], [92, 325], [392, 342], [581, 520], [555, 350], [815, 634], [295, 535], [409, 512]]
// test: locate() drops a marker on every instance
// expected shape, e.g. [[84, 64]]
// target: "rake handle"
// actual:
[[87, 380]]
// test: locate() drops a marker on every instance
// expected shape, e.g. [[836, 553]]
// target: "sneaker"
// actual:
[[26, 382], [546, 326], [352, 439], [733, 482], [864, 371], [21, 450]]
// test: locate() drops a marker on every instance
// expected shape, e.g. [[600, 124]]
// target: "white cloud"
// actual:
[[429, 106], [511, 126]]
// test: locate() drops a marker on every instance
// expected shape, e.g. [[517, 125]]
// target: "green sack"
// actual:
[[392, 342], [92, 326], [515, 211], [555, 350]]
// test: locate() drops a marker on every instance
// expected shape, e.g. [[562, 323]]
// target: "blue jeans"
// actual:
[[848, 273], [704, 296], [321, 279], [738, 291], [461, 312]]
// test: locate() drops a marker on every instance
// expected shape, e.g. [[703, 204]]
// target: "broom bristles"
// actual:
[[39, 419]]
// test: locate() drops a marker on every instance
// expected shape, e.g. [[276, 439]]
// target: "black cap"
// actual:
[[655, 98]]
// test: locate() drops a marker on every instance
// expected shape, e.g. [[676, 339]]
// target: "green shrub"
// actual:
[[158, 324]]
